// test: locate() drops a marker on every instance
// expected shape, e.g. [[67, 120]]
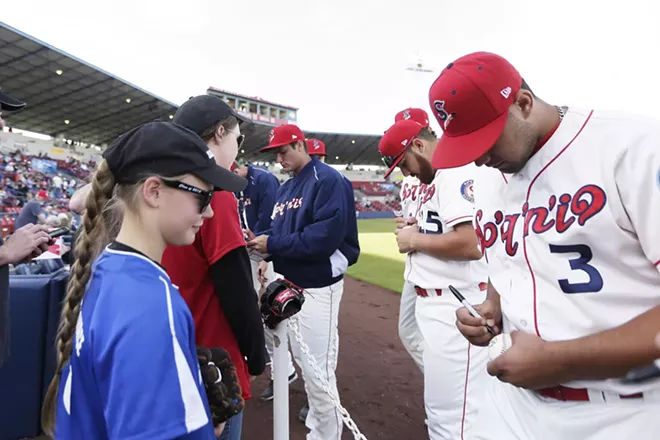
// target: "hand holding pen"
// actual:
[[478, 323]]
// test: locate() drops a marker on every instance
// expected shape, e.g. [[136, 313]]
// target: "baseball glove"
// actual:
[[280, 301], [221, 382]]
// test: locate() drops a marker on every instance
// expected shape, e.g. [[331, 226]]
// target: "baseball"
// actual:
[[498, 345]]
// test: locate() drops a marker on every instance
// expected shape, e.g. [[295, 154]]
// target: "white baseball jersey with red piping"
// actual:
[[443, 204], [572, 240]]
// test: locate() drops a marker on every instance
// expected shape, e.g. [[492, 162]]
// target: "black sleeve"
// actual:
[[232, 277]]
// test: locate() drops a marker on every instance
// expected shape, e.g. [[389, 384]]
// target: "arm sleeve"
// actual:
[[232, 278], [36, 209], [455, 196], [267, 203], [148, 375], [322, 237], [637, 177]]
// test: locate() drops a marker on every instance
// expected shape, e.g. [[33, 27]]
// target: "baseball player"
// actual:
[[312, 241], [255, 205], [569, 229], [316, 148], [127, 362], [411, 190], [442, 250]]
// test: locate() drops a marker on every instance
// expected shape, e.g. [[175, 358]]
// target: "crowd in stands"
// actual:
[[23, 176], [376, 196]]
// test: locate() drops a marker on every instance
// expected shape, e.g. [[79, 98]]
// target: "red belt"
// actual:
[[576, 394], [438, 292]]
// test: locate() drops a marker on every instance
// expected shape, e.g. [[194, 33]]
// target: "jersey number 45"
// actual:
[[432, 223]]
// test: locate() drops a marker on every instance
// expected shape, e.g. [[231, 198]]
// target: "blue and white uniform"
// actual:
[[312, 241], [133, 372]]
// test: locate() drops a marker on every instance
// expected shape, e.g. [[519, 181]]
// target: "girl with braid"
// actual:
[[127, 363]]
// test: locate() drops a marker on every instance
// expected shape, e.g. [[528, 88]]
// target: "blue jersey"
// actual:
[[133, 372], [258, 199], [313, 236]]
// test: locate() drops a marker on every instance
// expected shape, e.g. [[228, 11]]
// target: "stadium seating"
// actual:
[[34, 304]]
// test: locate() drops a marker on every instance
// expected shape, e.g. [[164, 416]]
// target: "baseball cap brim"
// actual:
[[457, 151], [391, 169], [9, 103], [222, 179], [277, 145]]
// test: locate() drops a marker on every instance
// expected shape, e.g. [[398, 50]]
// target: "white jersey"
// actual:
[[572, 240], [409, 195], [446, 202]]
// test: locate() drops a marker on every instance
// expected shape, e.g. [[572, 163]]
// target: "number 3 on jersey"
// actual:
[[581, 263], [432, 223]]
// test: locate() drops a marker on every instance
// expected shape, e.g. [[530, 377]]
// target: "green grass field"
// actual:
[[380, 262]]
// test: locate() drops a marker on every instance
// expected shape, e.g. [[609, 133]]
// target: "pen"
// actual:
[[469, 307], [643, 374]]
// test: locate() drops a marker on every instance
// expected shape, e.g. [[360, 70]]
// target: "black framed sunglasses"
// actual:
[[204, 197]]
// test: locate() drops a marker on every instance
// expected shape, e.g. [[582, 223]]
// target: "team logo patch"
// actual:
[[316, 144], [406, 114], [440, 112], [467, 190]]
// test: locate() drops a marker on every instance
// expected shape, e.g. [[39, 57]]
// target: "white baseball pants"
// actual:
[[514, 413], [318, 322], [409, 333], [268, 333], [454, 370]]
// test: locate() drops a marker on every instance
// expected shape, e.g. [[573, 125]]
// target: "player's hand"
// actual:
[[218, 429], [474, 329], [30, 241], [402, 222], [404, 238], [261, 272], [527, 363], [259, 244], [249, 234]]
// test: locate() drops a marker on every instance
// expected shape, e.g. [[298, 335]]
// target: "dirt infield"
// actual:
[[378, 382]]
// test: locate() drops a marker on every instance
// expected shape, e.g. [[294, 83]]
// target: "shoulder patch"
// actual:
[[467, 190]]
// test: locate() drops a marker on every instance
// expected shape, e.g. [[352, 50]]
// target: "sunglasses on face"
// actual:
[[204, 197]]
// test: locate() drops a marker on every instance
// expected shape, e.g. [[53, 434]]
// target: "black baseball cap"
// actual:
[[167, 150], [203, 111], [9, 103]]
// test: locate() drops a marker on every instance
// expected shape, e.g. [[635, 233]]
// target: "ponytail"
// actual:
[[94, 236]]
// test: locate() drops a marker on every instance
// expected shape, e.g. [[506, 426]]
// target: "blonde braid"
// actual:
[[91, 241]]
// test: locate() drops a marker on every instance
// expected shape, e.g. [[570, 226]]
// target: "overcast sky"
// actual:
[[342, 62]]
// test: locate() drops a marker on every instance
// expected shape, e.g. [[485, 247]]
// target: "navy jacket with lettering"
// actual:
[[313, 236], [258, 199]]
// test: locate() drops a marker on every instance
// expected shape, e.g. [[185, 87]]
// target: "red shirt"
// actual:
[[188, 267]]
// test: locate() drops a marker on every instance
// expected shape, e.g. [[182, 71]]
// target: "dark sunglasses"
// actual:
[[203, 196]]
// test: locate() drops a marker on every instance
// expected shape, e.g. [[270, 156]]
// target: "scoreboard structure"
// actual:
[[256, 109]]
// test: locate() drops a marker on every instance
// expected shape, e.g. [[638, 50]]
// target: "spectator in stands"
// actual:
[[256, 204], [316, 148], [214, 274], [33, 211], [28, 241]]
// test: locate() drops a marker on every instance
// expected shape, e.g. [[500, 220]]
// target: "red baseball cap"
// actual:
[[471, 100], [416, 114], [43, 194], [396, 141], [315, 147], [284, 135]]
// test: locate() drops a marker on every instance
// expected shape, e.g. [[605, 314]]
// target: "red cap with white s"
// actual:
[[283, 135], [416, 114], [315, 147], [471, 100], [395, 142]]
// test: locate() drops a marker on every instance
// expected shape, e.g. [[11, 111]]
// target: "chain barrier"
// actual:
[[345, 416]]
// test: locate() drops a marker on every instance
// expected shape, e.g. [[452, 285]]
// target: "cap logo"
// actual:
[[440, 112], [316, 144], [406, 114], [506, 92], [293, 136], [271, 135], [449, 118]]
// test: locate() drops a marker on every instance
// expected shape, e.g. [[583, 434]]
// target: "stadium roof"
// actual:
[[59, 87]]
